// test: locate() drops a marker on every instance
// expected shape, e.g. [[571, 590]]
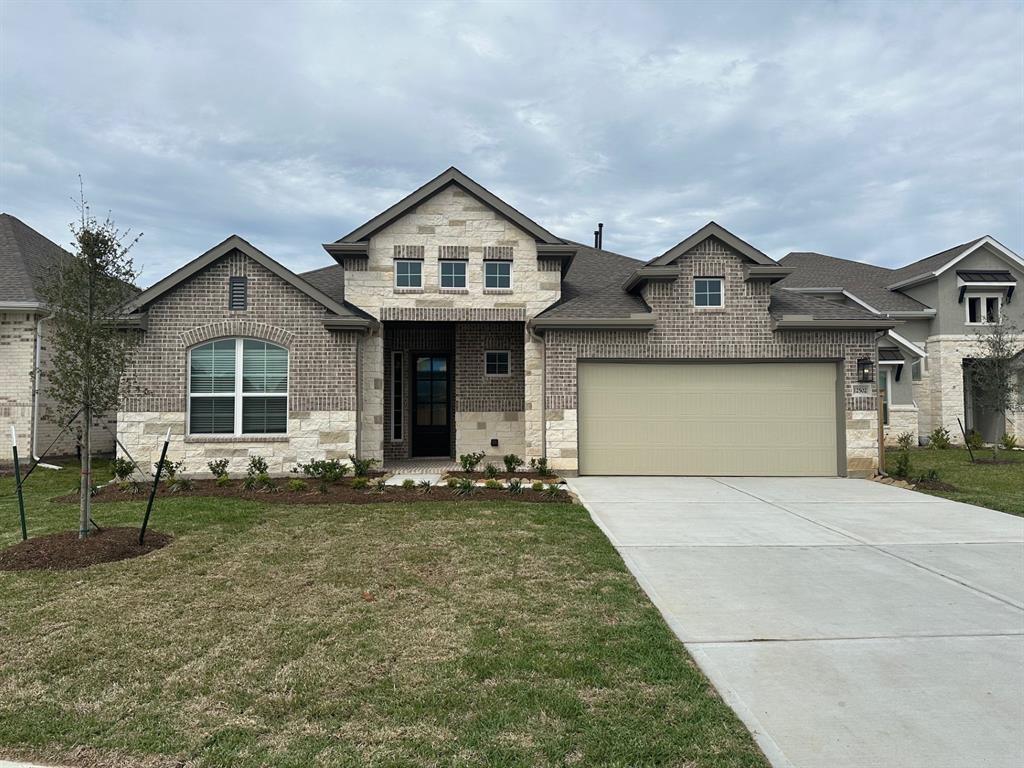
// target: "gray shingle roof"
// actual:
[[785, 302], [330, 280], [931, 263], [865, 281], [593, 286], [25, 257]]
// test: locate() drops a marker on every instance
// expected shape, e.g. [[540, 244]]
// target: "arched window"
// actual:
[[238, 387]]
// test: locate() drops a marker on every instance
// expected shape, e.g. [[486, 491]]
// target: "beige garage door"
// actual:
[[707, 418]]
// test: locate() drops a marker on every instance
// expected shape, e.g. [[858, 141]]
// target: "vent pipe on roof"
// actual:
[[599, 236]]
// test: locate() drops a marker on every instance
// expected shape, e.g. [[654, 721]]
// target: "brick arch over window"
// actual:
[[240, 328]]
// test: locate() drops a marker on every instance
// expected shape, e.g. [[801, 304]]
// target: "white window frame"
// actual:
[[511, 276], [408, 287], [238, 394], [440, 275], [397, 364], [721, 293], [508, 363], [983, 298]]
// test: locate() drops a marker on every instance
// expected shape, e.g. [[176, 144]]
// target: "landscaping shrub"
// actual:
[[169, 470], [360, 481], [122, 469], [512, 462], [515, 486], [464, 486], [323, 471], [1008, 441], [361, 467], [552, 489], [901, 466], [974, 440], [939, 438], [295, 485], [379, 485], [218, 468], [409, 483], [451, 482], [490, 471], [257, 466], [540, 466], [469, 461], [537, 485], [492, 483], [425, 486], [905, 440], [223, 481]]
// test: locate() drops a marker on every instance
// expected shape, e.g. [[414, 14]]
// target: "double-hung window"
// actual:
[[453, 274], [983, 310], [409, 274], [498, 275], [238, 387], [707, 292]]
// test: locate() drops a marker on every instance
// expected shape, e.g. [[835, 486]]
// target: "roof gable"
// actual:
[[711, 229], [434, 186], [25, 256], [232, 243], [931, 267]]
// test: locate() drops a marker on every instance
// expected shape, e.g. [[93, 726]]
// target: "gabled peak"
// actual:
[[712, 231]]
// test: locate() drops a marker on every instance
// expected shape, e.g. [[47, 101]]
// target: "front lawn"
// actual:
[[432, 633], [996, 486]]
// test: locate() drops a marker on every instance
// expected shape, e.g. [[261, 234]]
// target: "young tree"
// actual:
[[89, 354], [996, 374]]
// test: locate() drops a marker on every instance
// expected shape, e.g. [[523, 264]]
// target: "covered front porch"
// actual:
[[451, 388]]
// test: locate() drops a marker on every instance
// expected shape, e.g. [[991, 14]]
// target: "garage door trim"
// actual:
[[840, 389]]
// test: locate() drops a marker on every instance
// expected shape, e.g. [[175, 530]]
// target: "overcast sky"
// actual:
[[877, 132]]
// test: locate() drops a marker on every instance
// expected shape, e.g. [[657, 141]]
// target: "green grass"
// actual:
[[497, 634], [996, 486]]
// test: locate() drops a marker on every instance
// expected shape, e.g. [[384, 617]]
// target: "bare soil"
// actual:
[[64, 551], [337, 493], [934, 485], [506, 476]]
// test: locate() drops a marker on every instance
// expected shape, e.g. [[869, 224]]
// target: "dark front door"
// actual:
[[431, 430]]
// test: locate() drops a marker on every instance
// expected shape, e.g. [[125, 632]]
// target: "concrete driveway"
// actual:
[[848, 623]]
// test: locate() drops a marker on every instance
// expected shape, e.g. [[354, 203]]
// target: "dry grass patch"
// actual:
[[396, 634]]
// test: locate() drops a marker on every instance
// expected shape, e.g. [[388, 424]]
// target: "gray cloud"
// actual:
[[881, 132]]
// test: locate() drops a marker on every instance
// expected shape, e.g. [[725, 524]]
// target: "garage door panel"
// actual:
[[708, 419]]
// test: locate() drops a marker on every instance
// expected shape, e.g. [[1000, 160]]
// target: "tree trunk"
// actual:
[[85, 508]]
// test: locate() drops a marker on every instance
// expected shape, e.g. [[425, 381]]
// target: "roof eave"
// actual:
[[768, 272], [21, 306], [648, 274], [341, 251], [802, 321], [636, 322], [346, 323]]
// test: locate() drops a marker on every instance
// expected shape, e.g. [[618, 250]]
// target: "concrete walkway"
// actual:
[[848, 623]]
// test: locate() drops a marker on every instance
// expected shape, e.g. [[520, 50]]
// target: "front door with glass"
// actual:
[[431, 428]]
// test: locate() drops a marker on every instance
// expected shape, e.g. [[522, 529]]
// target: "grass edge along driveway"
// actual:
[[430, 634]]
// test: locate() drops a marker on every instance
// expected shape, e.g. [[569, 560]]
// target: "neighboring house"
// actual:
[[944, 303], [453, 323], [25, 258]]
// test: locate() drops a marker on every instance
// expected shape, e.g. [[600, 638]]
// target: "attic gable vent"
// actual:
[[238, 293]]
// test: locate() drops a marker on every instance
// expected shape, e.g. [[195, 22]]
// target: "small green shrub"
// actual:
[[425, 486], [939, 439], [515, 486], [409, 483], [469, 461], [451, 482], [464, 486], [218, 468], [295, 485], [904, 440], [552, 490], [362, 467], [490, 471], [259, 482], [901, 466], [492, 483], [323, 471], [540, 466], [512, 462], [974, 440], [130, 486], [122, 468], [257, 466], [537, 485], [931, 475], [1008, 441], [359, 482], [182, 483], [223, 481], [378, 486], [170, 469]]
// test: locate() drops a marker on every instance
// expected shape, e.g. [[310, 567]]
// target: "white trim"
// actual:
[[440, 271], [864, 304], [511, 279], [237, 394], [1001, 250], [999, 308], [908, 345], [395, 284], [961, 283], [508, 362], [721, 292], [891, 362], [397, 364]]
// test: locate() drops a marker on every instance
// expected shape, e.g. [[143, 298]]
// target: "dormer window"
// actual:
[[984, 309], [707, 292]]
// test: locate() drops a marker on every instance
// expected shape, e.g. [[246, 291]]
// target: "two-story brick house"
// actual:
[[452, 323]]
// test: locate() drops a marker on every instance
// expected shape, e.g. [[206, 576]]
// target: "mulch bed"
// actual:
[[65, 552], [531, 476], [935, 485], [338, 493]]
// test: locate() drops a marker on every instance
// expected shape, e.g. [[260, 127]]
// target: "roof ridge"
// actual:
[[837, 258]]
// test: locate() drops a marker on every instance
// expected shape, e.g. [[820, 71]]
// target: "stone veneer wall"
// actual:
[[902, 418], [322, 370], [739, 330], [17, 363]]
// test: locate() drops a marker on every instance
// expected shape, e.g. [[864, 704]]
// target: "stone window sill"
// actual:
[[498, 290], [408, 290], [236, 439], [455, 290]]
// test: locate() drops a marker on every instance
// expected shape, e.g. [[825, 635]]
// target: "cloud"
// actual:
[[883, 132]]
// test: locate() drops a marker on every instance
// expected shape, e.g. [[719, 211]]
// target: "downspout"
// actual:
[[35, 397]]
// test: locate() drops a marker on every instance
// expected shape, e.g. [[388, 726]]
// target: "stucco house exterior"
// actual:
[[452, 323], [25, 258], [946, 302]]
